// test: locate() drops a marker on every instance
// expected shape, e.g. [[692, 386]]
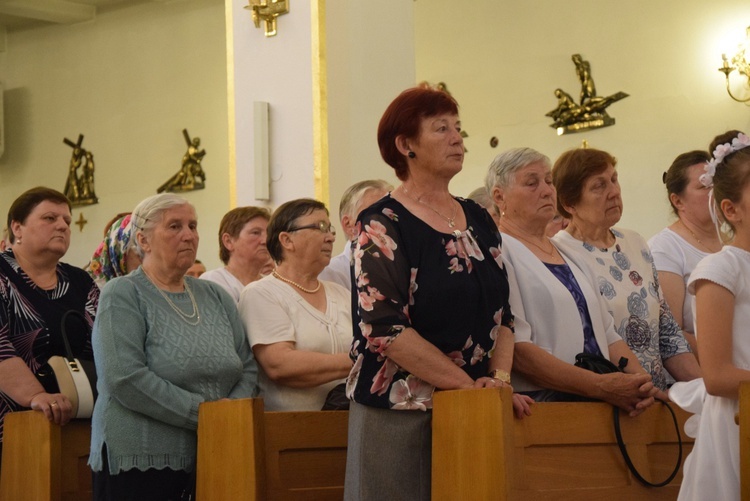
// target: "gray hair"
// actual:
[[483, 198], [503, 168], [148, 214], [356, 192]]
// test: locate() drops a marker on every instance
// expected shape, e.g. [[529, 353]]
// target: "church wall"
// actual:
[[368, 60], [129, 81], [502, 60]]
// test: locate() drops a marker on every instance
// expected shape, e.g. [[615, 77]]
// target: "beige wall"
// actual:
[[502, 60], [133, 78], [130, 81]]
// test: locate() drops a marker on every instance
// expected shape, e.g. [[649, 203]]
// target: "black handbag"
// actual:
[[336, 399], [73, 377], [600, 365]]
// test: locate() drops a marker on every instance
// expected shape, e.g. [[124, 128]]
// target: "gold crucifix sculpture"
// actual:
[[268, 11], [81, 221]]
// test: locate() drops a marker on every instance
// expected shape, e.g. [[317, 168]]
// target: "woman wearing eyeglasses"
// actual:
[[300, 328]]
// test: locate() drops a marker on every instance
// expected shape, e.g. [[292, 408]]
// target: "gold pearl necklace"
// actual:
[[451, 220], [184, 316], [290, 282]]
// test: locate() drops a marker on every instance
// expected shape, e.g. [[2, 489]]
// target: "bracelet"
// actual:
[[500, 375]]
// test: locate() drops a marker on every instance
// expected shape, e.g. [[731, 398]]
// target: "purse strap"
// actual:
[[64, 333], [626, 456]]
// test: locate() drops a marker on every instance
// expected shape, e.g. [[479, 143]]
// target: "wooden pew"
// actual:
[[43, 461], [246, 453], [563, 451]]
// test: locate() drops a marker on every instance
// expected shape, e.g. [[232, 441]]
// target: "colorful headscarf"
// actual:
[[109, 258]]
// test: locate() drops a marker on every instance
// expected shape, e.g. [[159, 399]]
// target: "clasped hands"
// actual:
[[633, 393]]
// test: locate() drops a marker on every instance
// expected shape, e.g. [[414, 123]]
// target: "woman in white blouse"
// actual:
[[558, 313], [299, 327], [678, 248]]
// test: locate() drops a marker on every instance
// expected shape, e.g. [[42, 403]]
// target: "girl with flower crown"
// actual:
[[721, 285]]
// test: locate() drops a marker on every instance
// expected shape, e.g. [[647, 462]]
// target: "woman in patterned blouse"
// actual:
[[36, 290], [619, 264], [430, 302]]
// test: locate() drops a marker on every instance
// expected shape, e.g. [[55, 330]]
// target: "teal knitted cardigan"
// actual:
[[154, 370]]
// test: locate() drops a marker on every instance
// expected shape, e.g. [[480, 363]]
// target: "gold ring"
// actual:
[[53, 404]]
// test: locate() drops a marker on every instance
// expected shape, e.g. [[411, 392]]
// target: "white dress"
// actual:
[[712, 470], [273, 311], [674, 254]]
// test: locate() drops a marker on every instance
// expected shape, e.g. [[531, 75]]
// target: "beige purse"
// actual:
[[74, 378]]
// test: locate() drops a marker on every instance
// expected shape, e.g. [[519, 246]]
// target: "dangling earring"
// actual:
[[412, 154]]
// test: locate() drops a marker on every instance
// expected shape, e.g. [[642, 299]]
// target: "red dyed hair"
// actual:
[[404, 116]]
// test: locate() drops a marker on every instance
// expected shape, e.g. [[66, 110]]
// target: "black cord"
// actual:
[[626, 457]]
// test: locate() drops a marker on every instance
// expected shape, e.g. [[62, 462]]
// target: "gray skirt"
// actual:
[[389, 455]]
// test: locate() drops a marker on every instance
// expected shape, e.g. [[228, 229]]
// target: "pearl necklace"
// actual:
[[451, 220], [290, 282], [187, 318]]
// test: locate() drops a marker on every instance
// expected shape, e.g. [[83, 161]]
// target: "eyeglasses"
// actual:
[[321, 226]]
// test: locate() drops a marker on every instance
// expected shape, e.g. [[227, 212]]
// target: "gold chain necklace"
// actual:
[[451, 220], [187, 318], [290, 282], [694, 236], [548, 252]]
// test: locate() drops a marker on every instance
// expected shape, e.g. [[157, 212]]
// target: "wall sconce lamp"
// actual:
[[267, 11], [740, 63]]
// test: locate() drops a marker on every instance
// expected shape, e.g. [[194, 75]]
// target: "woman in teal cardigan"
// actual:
[[163, 343]]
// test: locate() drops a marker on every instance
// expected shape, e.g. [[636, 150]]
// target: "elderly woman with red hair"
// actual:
[[431, 300]]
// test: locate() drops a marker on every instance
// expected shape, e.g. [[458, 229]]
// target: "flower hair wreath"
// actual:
[[720, 153]]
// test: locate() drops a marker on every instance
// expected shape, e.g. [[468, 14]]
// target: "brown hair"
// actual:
[[403, 117], [571, 171], [28, 200], [233, 222], [283, 219], [731, 176], [676, 177]]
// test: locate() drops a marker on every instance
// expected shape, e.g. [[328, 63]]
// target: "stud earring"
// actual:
[[412, 154]]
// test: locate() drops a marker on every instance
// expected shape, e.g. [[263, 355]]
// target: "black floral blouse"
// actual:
[[450, 287]]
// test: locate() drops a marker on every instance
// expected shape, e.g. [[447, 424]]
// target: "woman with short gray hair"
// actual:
[[163, 344]]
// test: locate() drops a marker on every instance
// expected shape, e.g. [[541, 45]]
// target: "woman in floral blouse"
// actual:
[[431, 302], [618, 262]]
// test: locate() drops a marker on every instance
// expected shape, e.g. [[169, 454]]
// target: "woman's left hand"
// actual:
[[55, 406]]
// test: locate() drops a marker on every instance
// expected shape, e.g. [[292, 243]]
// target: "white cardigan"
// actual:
[[546, 313]]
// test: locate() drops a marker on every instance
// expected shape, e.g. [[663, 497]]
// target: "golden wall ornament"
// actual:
[[267, 11], [187, 177], [79, 188], [589, 113]]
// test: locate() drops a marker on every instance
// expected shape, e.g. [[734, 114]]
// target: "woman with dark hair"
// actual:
[[722, 307], [300, 327], [431, 296], [678, 248], [618, 262], [36, 290], [242, 249]]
